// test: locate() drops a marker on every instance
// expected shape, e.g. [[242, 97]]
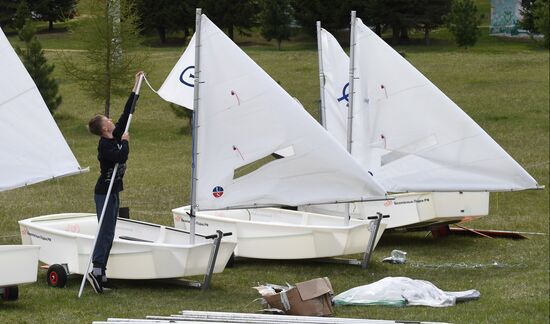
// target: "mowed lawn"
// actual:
[[502, 84]]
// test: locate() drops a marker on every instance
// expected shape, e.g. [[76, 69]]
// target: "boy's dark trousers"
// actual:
[[107, 233]]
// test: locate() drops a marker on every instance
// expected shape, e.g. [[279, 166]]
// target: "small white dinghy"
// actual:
[[273, 233], [36, 154], [245, 119], [140, 250], [19, 266], [402, 131]]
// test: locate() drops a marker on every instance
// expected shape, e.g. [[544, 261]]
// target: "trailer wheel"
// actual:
[[10, 293], [57, 276]]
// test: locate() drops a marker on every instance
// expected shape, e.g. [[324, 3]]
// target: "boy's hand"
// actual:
[[125, 136]]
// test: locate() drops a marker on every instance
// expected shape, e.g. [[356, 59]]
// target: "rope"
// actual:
[[148, 84]]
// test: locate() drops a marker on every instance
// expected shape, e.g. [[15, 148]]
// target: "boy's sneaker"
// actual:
[[108, 285], [95, 282]]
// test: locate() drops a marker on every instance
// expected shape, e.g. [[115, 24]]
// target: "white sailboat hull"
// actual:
[[162, 252], [272, 233], [19, 264], [417, 210]]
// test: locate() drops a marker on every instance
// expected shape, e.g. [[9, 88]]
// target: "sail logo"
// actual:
[[345, 95], [188, 75], [217, 192]]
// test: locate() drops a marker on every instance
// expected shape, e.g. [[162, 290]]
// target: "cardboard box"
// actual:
[[308, 298]]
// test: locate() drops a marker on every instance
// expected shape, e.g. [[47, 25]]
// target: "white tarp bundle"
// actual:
[[402, 291], [32, 148], [408, 132], [243, 117]]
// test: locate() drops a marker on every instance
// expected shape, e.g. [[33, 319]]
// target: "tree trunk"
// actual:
[[395, 34], [404, 34], [161, 30], [230, 31], [279, 41], [50, 25], [378, 29], [107, 105], [186, 34], [427, 36]]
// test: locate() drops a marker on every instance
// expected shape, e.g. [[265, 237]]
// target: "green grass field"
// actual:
[[502, 84]]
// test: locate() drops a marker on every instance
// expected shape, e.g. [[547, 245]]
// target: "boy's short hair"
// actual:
[[95, 125]]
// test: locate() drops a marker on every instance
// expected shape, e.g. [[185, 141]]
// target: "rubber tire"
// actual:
[[57, 276], [10, 293]]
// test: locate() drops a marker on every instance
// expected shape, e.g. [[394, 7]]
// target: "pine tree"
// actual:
[[463, 21], [22, 14], [275, 20], [110, 39], [36, 64], [541, 16]]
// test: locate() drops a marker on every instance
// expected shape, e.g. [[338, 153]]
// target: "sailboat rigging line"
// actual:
[[234, 93], [385, 91], [235, 148], [148, 84], [384, 138]]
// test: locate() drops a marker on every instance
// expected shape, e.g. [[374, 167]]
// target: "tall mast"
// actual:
[[195, 125], [351, 95], [322, 107]]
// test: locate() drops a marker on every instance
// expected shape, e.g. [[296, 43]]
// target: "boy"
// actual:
[[113, 148]]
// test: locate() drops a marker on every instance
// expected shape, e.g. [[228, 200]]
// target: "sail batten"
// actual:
[[31, 145]]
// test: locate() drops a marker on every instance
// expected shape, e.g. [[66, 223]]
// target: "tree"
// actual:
[[165, 16], [53, 10], [22, 14], [275, 20], [110, 39], [527, 21], [541, 17], [36, 64], [463, 21], [332, 14], [430, 14], [232, 14], [7, 11]]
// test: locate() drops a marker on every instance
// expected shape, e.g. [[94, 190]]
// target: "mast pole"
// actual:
[[351, 95], [322, 107], [195, 126]]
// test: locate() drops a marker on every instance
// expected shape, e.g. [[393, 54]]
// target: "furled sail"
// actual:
[[409, 133], [244, 117], [32, 149]]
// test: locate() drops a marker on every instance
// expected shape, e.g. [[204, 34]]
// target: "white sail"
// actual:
[[178, 86], [244, 117], [336, 86], [32, 147], [412, 136]]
